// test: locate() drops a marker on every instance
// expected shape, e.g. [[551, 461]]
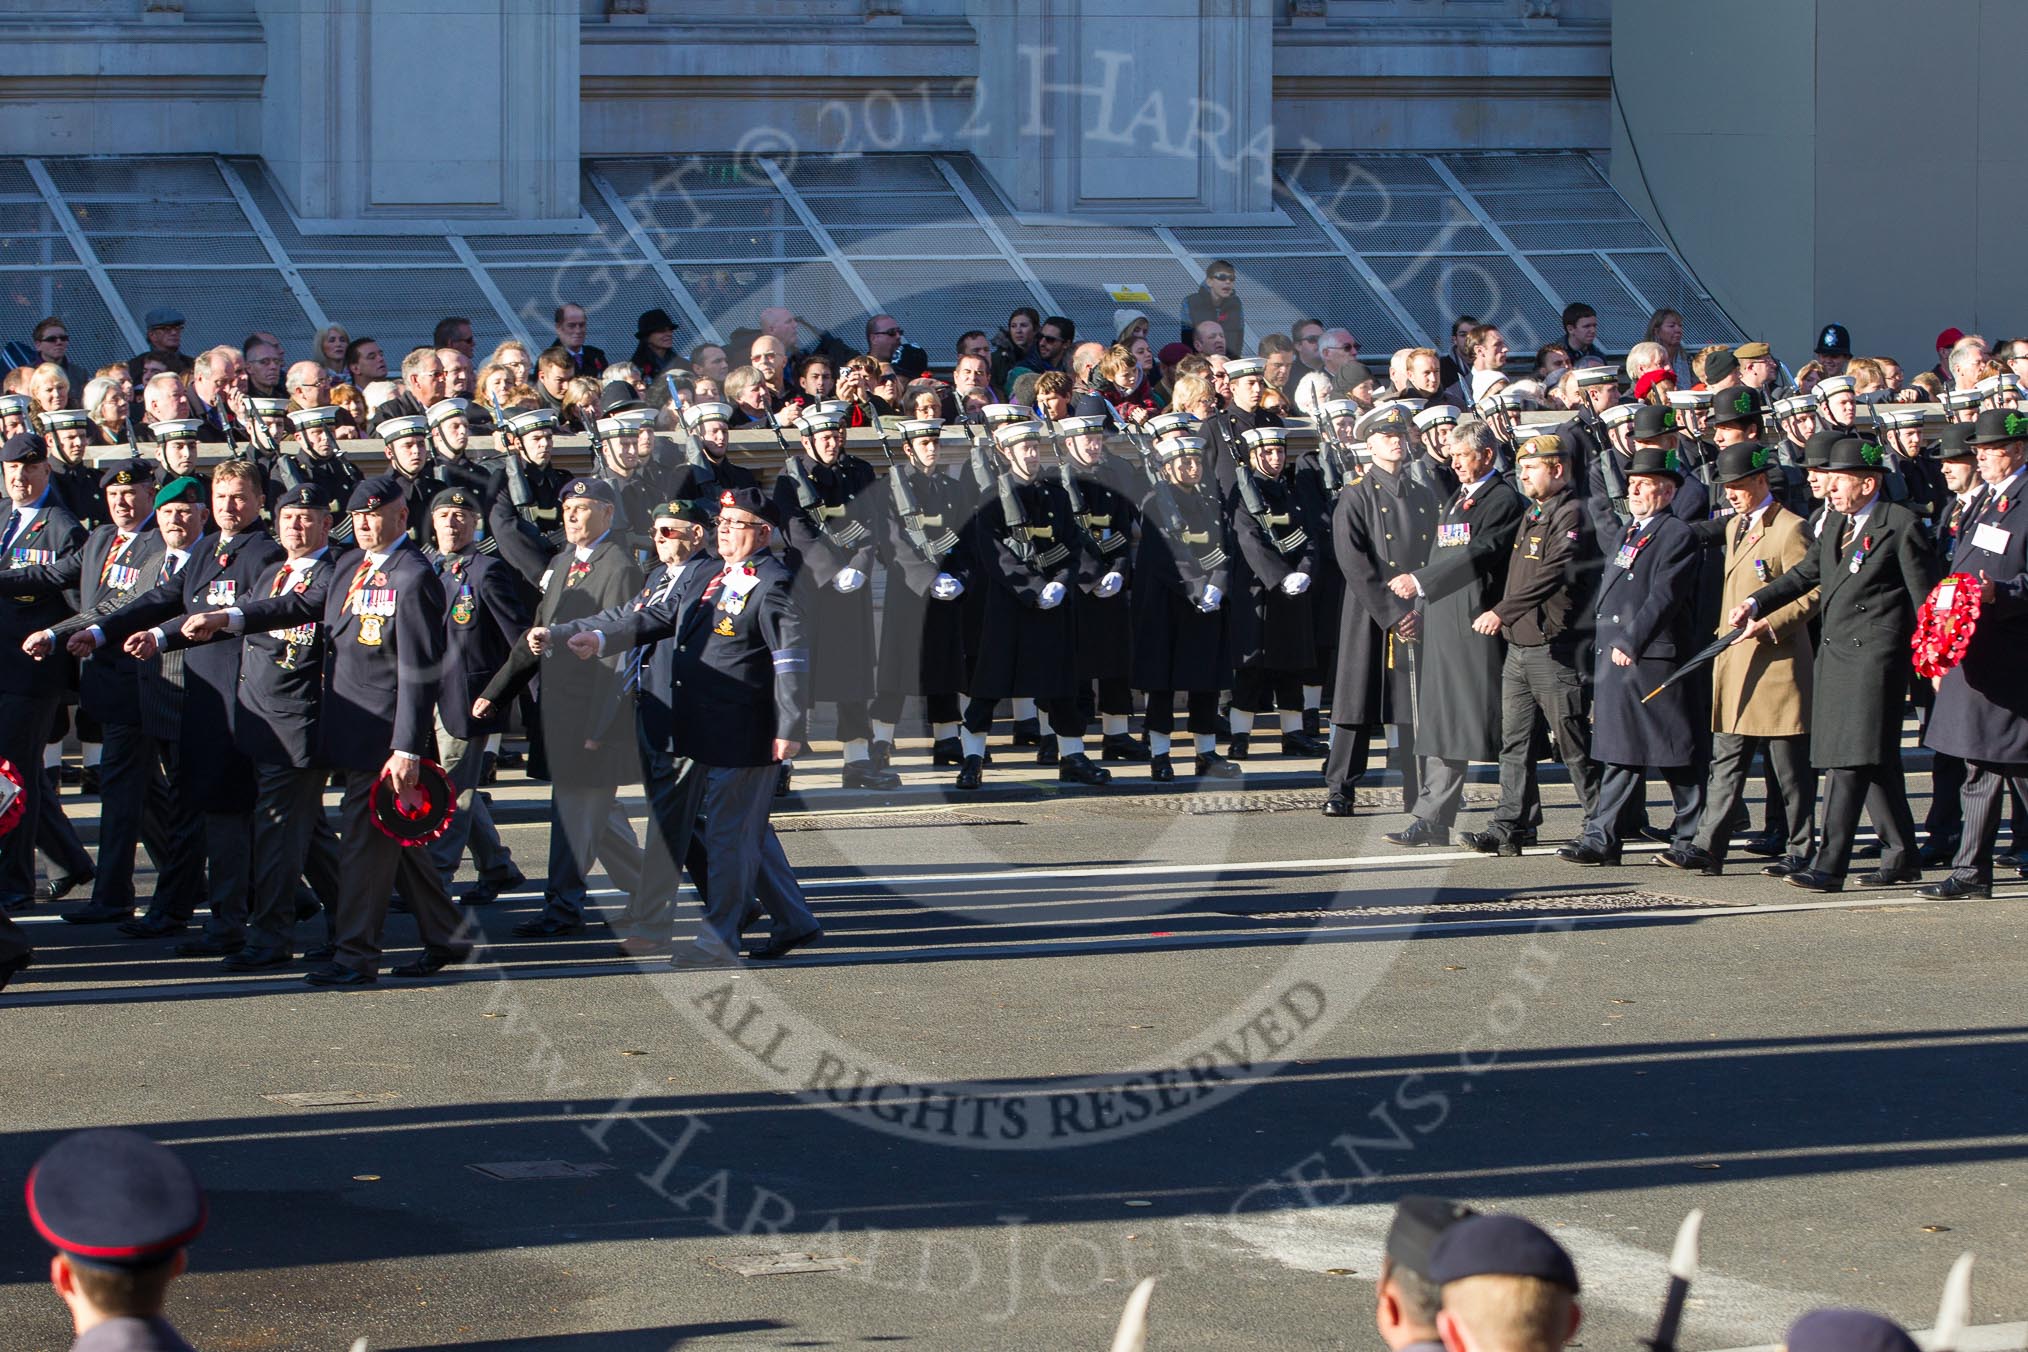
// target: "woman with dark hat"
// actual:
[[654, 344]]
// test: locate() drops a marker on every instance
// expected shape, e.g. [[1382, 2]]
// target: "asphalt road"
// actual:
[[1054, 1043]]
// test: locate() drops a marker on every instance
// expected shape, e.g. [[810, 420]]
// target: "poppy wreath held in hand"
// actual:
[[1944, 625]]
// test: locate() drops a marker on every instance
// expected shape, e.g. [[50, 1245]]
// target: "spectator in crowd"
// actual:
[[455, 331], [364, 362], [517, 359], [654, 344], [1422, 373], [50, 346], [1488, 354], [1216, 301], [923, 400], [1580, 333], [1170, 358], [581, 404], [349, 398], [217, 385], [971, 388], [1459, 359], [571, 326], [105, 399], [165, 344], [753, 405], [329, 350], [1945, 341], [709, 362], [422, 385], [1015, 344], [1126, 387], [264, 366], [1963, 363], [308, 385], [1208, 339], [554, 370], [886, 341], [770, 356], [816, 378], [1278, 350], [1665, 327], [1644, 357], [457, 379], [1129, 323], [163, 399], [1053, 344], [1308, 336], [973, 343], [49, 388], [1551, 361]]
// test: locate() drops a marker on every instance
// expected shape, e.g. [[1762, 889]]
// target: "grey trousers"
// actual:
[[472, 825], [586, 823], [1531, 679], [1442, 790], [1788, 760], [288, 844], [736, 805]]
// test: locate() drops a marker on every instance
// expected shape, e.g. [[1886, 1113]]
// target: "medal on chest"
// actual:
[[1859, 554], [370, 630], [1453, 534], [462, 609], [578, 571]]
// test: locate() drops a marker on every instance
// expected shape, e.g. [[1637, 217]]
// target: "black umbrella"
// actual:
[[1696, 663]]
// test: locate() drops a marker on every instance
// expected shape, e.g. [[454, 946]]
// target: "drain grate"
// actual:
[[779, 1264], [1293, 800]]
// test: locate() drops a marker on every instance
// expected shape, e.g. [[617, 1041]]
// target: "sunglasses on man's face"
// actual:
[[668, 532]]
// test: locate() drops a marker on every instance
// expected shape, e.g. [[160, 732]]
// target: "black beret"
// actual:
[[114, 1198], [1652, 421], [750, 500], [128, 472], [455, 497], [24, 448], [597, 490], [1505, 1246], [372, 494], [1847, 1331], [303, 495], [1418, 1222]]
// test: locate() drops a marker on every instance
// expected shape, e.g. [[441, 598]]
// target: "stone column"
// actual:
[[386, 115], [1088, 110]]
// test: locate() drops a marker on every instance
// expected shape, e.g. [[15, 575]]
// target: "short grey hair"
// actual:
[[1471, 434]]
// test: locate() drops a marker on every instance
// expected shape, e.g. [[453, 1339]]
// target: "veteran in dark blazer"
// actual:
[[1872, 566], [1981, 713], [1646, 623], [588, 745], [35, 529], [383, 629], [114, 560]]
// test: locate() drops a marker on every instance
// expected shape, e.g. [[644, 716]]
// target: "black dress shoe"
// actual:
[[1160, 768], [1493, 842], [13, 967], [1586, 856], [321, 955], [1955, 888], [788, 771], [1870, 850], [10, 902], [776, 949], [1339, 805], [1936, 853], [1303, 744], [1027, 732], [1122, 746], [1046, 750], [257, 959], [487, 890], [153, 927], [881, 752], [1211, 765], [203, 946], [1659, 834], [1783, 867], [1766, 845], [972, 774], [1239, 746], [547, 927], [947, 751], [56, 889], [1080, 769], [866, 775], [1691, 860], [99, 913], [431, 962], [1419, 833], [338, 974], [1892, 877], [89, 781], [1815, 880]]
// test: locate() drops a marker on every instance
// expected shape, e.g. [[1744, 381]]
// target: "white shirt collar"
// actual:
[[1472, 488], [584, 552], [2005, 488]]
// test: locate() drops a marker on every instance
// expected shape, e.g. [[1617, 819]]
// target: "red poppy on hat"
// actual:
[[725, 498], [1646, 384]]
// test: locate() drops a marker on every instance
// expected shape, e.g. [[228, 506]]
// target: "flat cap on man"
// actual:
[[1502, 1246], [370, 495], [591, 490], [24, 448], [1847, 1331], [163, 317], [110, 1197], [1419, 1221]]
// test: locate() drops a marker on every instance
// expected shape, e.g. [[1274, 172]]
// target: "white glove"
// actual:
[[1295, 584], [1052, 596], [946, 588], [1109, 585], [849, 580], [1211, 599]]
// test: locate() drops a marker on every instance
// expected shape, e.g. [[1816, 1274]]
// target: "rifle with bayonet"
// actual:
[[914, 523]]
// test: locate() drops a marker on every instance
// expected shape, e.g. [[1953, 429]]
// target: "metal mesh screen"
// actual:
[[222, 306], [1387, 205], [937, 302], [14, 178], [35, 241], [732, 296], [401, 306], [816, 174], [613, 295], [145, 178], [1667, 286], [28, 298], [737, 246], [902, 238], [1549, 172], [1276, 293], [885, 210], [1493, 290], [332, 248], [1079, 285], [1621, 319]]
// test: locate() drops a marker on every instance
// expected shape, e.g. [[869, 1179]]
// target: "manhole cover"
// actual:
[[778, 1264], [524, 1171], [1295, 800]]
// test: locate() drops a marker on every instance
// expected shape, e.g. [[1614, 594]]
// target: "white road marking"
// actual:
[[1975, 1338]]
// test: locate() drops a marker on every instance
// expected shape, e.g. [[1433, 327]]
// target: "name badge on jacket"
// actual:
[[1989, 538], [1453, 534]]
